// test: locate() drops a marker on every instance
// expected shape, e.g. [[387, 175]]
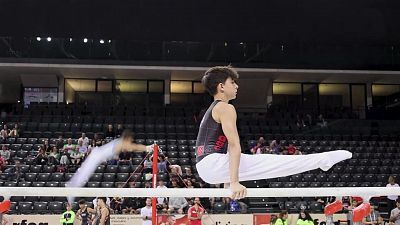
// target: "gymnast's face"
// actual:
[[229, 88]]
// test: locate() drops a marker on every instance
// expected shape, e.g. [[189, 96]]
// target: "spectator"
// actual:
[[292, 150], [84, 213], [346, 200], [75, 156], [189, 184], [68, 217], [304, 219], [81, 148], [69, 146], [54, 156], [146, 213], [116, 204], [64, 159], [358, 199], [188, 174], [391, 200], [60, 143], [148, 165], [84, 140], [321, 121], [5, 153], [258, 148], [3, 164], [275, 147], [162, 202], [46, 147], [41, 158], [148, 184], [282, 218], [170, 220], [195, 213], [177, 204], [5, 132], [300, 122], [128, 206], [308, 121], [374, 217], [110, 131], [125, 158], [15, 131], [15, 173], [325, 200], [395, 214], [353, 205], [96, 142], [162, 164], [119, 130]]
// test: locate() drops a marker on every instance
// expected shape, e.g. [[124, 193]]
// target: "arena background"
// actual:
[[88, 64]]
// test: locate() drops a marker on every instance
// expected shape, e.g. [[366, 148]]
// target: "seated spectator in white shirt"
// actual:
[[5, 132], [84, 139], [5, 153]]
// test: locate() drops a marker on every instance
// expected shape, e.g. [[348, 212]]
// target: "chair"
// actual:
[[122, 177], [40, 207], [107, 184], [25, 207], [55, 207], [96, 177], [43, 177], [109, 177]]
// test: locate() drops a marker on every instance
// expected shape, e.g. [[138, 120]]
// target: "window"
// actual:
[[135, 86], [82, 84], [334, 95], [156, 86], [286, 94], [385, 94], [104, 86], [181, 87]]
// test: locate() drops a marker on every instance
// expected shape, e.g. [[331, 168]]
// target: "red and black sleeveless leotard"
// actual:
[[210, 139]]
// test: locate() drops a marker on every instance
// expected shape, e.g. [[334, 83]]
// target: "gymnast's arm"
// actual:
[[228, 123], [133, 147]]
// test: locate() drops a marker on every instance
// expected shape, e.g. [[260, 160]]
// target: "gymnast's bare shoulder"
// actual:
[[222, 109]]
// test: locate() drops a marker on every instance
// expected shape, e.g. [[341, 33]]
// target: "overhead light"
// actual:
[[38, 38], [48, 39], [18, 101], [70, 39], [67, 102], [101, 41], [109, 41], [85, 40]]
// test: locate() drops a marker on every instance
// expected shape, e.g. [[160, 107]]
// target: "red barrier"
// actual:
[[361, 211], [333, 207], [5, 206]]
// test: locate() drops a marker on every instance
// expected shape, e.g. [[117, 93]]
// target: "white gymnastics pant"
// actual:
[[214, 168], [89, 166]]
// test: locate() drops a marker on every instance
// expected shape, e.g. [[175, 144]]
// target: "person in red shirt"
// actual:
[[292, 150], [195, 213]]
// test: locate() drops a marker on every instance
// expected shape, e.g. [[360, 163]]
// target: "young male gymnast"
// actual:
[[218, 151]]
